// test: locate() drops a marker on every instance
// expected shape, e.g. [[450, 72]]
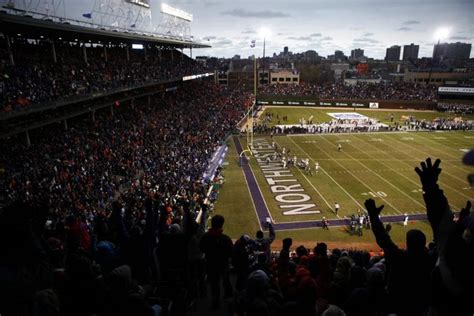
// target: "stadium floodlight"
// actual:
[[264, 32], [441, 33], [167, 9], [137, 46]]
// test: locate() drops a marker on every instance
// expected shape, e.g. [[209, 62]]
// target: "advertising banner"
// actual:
[[374, 105], [346, 104]]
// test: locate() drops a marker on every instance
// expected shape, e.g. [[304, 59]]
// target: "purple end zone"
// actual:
[[263, 212], [260, 207]]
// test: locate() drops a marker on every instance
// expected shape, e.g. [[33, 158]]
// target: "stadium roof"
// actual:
[[28, 26]]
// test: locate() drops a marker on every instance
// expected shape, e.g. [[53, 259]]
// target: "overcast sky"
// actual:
[[321, 25]]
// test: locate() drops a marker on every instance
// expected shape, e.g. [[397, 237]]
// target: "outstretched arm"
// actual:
[[381, 236], [436, 203]]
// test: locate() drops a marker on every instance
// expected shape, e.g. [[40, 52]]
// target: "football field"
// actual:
[[369, 165]]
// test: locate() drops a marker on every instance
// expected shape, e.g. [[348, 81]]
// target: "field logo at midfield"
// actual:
[[286, 190], [348, 116]]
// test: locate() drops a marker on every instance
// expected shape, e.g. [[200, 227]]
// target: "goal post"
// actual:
[[243, 159], [250, 126]]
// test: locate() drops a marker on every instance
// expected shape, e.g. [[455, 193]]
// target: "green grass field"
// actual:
[[370, 165]]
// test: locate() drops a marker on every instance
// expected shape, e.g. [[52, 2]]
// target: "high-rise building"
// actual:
[[453, 52], [285, 51], [311, 56], [410, 52], [393, 53], [339, 55], [357, 53]]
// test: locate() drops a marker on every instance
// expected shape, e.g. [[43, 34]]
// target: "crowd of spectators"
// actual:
[[329, 127], [108, 218], [104, 223], [362, 91], [90, 202], [455, 108], [32, 81], [442, 123]]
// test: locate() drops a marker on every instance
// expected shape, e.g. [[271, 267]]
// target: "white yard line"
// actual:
[[453, 156], [337, 183], [418, 185], [464, 181], [357, 178], [317, 191], [375, 159], [382, 178]]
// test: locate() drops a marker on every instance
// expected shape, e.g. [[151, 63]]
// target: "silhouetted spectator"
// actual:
[[217, 248]]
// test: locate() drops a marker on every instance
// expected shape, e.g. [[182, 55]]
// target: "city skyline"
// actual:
[[320, 25]]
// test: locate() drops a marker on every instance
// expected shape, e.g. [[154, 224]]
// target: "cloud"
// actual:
[[209, 38], [249, 32], [310, 37], [265, 14], [366, 40], [460, 38], [326, 38], [222, 42], [206, 3], [300, 38], [404, 29], [411, 22], [368, 34]]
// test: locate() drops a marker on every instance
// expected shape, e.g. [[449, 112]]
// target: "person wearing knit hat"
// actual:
[[217, 248], [333, 310], [241, 254], [257, 282], [263, 244], [175, 228]]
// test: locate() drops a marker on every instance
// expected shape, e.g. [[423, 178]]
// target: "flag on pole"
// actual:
[[87, 15], [252, 43]]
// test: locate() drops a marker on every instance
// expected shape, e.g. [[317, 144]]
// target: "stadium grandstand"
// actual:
[[127, 187]]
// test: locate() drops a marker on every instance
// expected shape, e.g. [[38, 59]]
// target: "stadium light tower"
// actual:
[[440, 34], [264, 32]]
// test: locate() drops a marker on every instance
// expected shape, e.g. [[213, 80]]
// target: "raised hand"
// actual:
[[429, 172], [372, 209]]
